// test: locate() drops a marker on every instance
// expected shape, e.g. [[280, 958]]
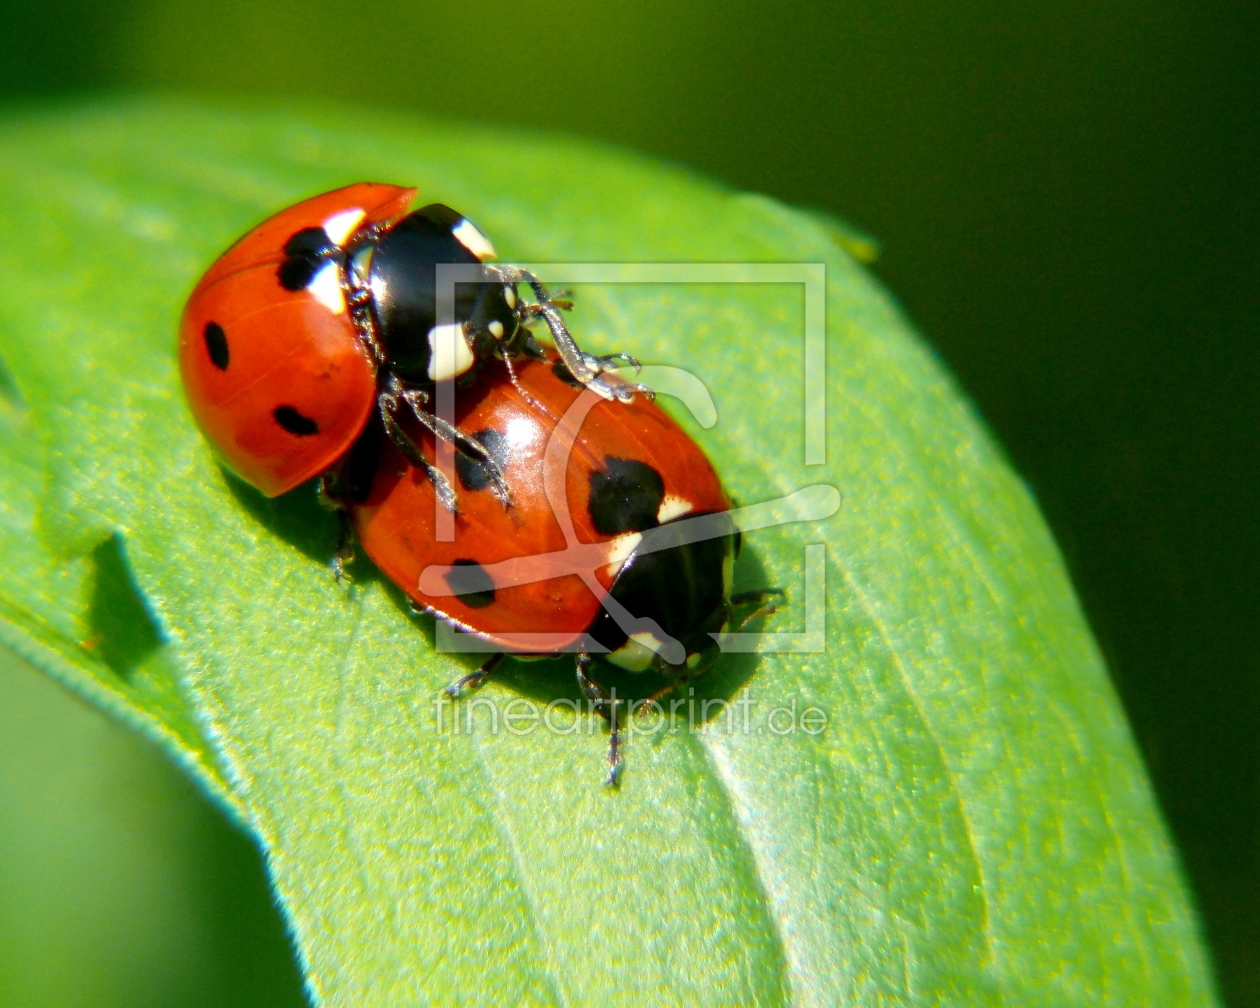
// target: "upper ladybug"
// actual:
[[328, 310]]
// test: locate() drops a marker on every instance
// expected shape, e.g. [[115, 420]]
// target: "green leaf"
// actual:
[[973, 826], [119, 885]]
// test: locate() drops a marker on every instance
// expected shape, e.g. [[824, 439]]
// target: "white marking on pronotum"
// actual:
[[466, 234], [325, 287], [637, 652], [496, 328], [340, 226], [509, 296], [619, 549], [672, 507], [449, 353]]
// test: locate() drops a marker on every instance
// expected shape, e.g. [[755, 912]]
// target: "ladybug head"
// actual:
[[684, 590]]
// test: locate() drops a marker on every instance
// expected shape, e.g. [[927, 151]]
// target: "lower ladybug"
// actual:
[[324, 316], [619, 546]]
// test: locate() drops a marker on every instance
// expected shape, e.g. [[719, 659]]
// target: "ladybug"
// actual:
[[619, 546], [324, 316]]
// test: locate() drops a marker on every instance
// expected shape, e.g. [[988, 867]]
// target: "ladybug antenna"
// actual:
[[767, 602]]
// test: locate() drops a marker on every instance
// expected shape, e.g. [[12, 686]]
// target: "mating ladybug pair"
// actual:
[[585, 520]]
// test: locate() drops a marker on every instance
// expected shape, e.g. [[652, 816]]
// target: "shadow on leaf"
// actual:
[[122, 633], [297, 517]]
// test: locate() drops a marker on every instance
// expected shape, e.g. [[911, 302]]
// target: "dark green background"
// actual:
[[1067, 199]]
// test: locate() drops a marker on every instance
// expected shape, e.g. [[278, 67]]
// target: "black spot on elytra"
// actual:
[[293, 421], [295, 274], [310, 243], [473, 474], [625, 496], [307, 251], [561, 371], [471, 583], [217, 345]]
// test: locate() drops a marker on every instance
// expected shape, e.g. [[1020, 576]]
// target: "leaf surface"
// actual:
[[973, 825]]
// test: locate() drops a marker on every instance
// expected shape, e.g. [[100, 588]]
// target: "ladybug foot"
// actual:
[[476, 462], [618, 390], [343, 556], [606, 707], [606, 363], [622, 391], [442, 488], [344, 553], [585, 368], [474, 679]]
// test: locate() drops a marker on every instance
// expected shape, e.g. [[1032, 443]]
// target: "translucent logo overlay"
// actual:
[[810, 503]]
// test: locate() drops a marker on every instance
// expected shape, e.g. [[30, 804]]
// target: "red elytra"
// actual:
[[536, 422], [288, 349]]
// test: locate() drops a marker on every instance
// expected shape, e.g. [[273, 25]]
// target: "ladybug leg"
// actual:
[[344, 553], [606, 363], [585, 368], [520, 389], [607, 708], [621, 390], [412, 453], [470, 446], [474, 679], [331, 496]]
